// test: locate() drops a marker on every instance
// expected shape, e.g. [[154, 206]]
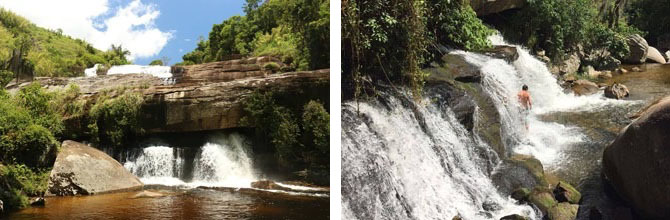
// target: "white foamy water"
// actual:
[[395, 166], [222, 162], [158, 71], [544, 140]]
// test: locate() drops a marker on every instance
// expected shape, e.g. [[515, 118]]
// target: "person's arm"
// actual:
[[530, 103]]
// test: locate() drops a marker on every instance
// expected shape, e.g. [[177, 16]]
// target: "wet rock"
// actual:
[[148, 194], [636, 69], [486, 7], [667, 55], [507, 53], [653, 55], [491, 206], [38, 201], [636, 162], [601, 59], [460, 70], [570, 65], [543, 200], [521, 194], [564, 192], [266, 184], [519, 171], [638, 49], [616, 91], [621, 71], [563, 211], [458, 217], [591, 72], [595, 214], [514, 217], [84, 170], [584, 87]]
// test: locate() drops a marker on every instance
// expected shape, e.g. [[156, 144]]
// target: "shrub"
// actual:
[[272, 66], [40, 106], [18, 182], [116, 119], [6, 76], [316, 125], [35, 146], [455, 24], [156, 63]]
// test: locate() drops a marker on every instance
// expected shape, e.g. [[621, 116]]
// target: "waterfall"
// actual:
[[158, 71], [544, 140], [223, 161], [402, 160]]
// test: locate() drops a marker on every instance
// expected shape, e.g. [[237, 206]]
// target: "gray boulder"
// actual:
[[654, 55], [638, 49], [636, 162], [84, 170], [616, 91]]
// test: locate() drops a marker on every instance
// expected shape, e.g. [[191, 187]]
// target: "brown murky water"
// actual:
[[180, 204]]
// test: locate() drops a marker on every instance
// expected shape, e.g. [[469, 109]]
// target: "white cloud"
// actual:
[[187, 39], [131, 25]]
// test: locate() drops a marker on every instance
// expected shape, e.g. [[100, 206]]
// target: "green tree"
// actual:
[[156, 63]]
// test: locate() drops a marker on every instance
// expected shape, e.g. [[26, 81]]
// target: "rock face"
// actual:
[[654, 55], [636, 162], [638, 49], [83, 170], [460, 69], [507, 53], [568, 66], [203, 97], [517, 172], [616, 91], [584, 87], [563, 211], [486, 7]]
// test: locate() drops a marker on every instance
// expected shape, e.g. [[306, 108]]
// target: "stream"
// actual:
[[407, 159], [202, 175]]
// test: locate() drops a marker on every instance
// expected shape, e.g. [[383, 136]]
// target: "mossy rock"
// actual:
[[564, 192], [272, 66], [543, 199], [533, 165], [521, 194], [563, 211]]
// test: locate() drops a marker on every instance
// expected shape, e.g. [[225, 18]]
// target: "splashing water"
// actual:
[[395, 166], [221, 162], [544, 140]]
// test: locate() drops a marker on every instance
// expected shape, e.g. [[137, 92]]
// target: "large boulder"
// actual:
[[584, 87], [564, 192], [638, 49], [507, 53], [84, 170], [567, 66], [654, 55], [616, 91], [519, 171], [563, 211], [486, 7], [636, 163], [457, 68]]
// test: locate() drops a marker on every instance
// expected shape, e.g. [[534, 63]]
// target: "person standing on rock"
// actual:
[[526, 104]]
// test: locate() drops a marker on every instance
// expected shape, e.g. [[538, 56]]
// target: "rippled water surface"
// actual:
[[181, 204]]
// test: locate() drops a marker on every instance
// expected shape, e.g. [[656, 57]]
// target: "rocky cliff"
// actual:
[[201, 97]]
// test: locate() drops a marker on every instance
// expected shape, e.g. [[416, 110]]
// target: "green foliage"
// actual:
[[455, 24], [278, 124], [40, 106], [652, 17], [26, 136], [67, 103], [272, 66], [600, 36], [113, 120], [18, 181], [316, 125], [156, 63], [297, 30], [43, 52], [5, 78]]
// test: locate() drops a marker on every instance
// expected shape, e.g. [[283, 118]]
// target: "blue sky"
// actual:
[[149, 29], [191, 19]]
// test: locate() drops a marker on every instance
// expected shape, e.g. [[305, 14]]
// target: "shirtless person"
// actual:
[[526, 104]]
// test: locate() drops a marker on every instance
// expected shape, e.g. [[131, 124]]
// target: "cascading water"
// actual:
[[223, 161], [402, 160], [158, 71], [502, 81]]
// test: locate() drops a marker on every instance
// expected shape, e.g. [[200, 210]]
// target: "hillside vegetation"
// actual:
[[26, 49], [297, 31]]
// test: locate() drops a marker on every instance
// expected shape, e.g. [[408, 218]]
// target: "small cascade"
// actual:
[[224, 161], [544, 140], [407, 160], [158, 71]]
